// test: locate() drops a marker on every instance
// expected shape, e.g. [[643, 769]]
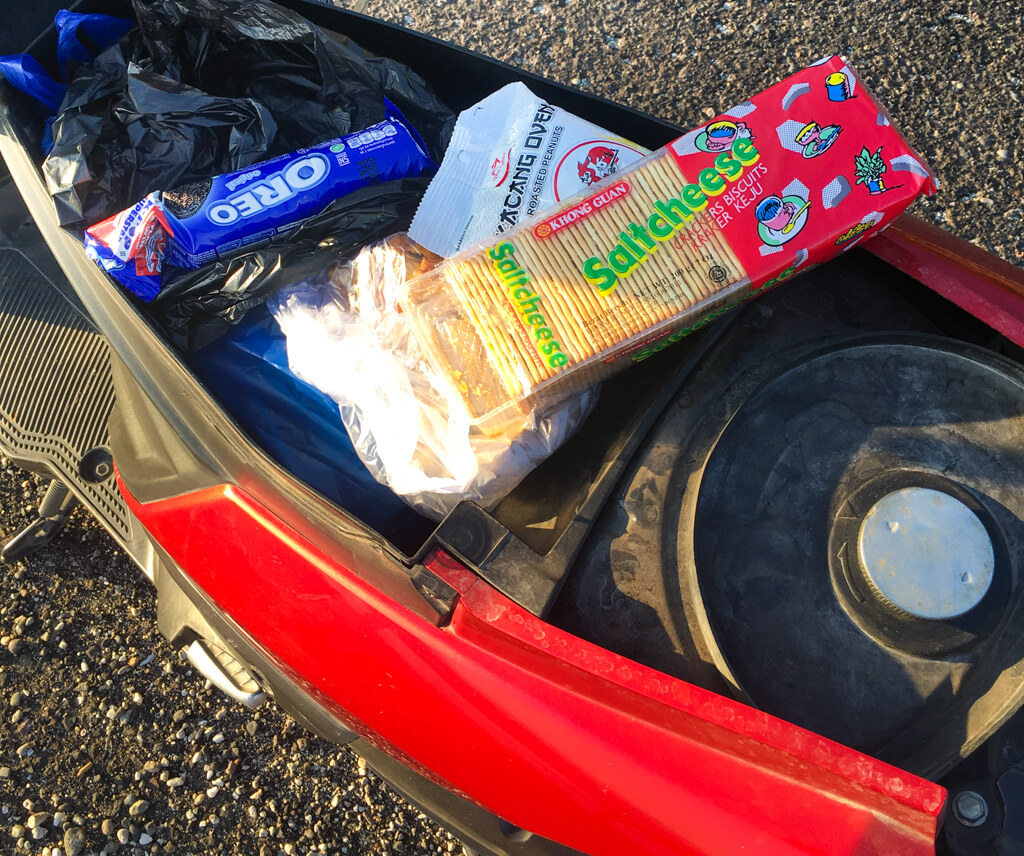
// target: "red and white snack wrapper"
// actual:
[[512, 156], [778, 184]]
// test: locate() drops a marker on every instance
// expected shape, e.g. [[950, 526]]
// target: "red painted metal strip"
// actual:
[[986, 286]]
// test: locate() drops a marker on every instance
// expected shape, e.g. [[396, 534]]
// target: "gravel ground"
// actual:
[[112, 743]]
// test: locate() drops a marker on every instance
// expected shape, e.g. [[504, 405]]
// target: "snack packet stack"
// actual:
[[512, 156], [776, 185]]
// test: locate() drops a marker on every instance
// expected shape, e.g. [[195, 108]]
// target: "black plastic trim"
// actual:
[[55, 388], [473, 826], [532, 578]]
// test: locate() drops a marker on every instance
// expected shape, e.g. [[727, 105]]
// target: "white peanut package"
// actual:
[[511, 156]]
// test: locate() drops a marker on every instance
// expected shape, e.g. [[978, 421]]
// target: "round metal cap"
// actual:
[[926, 553]]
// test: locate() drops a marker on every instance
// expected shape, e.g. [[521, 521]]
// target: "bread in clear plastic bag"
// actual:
[[348, 335]]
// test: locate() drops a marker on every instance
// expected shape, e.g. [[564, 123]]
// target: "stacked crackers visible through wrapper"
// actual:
[[780, 183]]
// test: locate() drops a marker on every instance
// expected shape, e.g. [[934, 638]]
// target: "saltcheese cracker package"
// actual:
[[767, 190]]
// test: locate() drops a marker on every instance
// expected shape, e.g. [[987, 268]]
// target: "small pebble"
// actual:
[[74, 841], [138, 808], [108, 827]]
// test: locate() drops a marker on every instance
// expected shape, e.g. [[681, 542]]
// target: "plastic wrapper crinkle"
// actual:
[[347, 336], [299, 425], [197, 306], [511, 156], [206, 87]]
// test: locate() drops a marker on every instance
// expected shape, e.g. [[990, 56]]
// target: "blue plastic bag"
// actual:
[[101, 31], [25, 74], [299, 426]]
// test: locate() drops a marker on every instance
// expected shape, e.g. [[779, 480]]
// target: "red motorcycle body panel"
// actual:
[[550, 732]]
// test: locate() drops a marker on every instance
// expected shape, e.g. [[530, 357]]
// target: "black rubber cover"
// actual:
[[941, 415], [711, 561]]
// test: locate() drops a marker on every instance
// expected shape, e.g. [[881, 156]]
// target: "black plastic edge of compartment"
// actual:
[[191, 420], [534, 580]]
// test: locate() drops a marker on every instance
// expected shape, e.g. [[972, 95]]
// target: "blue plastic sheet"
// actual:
[[81, 37], [299, 426], [28, 76]]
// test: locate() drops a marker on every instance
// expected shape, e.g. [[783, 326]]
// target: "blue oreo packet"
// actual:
[[210, 219]]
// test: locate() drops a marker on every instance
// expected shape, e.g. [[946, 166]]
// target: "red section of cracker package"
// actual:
[[832, 170]]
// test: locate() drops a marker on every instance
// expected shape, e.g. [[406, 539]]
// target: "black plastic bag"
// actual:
[[123, 132], [196, 307], [205, 87]]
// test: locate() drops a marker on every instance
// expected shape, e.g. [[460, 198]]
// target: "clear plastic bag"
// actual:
[[348, 336]]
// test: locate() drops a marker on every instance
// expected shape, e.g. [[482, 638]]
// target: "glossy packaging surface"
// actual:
[[776, 185]]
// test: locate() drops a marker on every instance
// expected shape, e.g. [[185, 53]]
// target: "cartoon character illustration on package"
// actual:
[[719, 135], [837, 84], [780, 218], [600, 162], [816, 140]]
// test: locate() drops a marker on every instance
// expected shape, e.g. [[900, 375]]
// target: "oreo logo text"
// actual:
[[299, 175]]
